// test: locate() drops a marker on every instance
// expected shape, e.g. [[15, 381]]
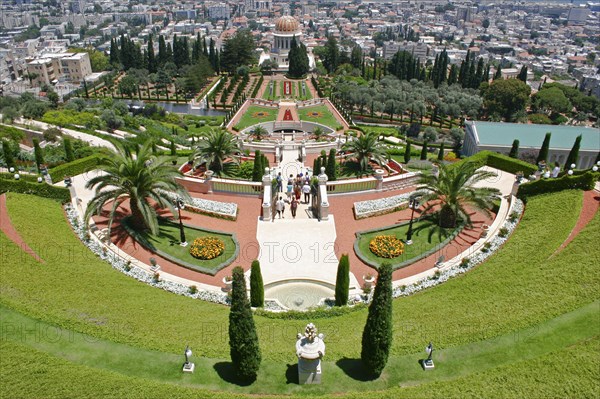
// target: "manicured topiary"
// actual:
[[69, 156], [8, 156], [377, 335], [342, 281], [573, 154], [424, 151], [258, 170], [441, 153], [543, 155], [330, 167], [514, 151], [257, 289], [39, 156], [243, 340], [407, 153]]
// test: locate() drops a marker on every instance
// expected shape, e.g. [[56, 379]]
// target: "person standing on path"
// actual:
[[306, 192], [289, 188], [279, 183], [294, 207], [280, 207]]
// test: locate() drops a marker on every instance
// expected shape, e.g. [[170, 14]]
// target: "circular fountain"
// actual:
[[299, 294]]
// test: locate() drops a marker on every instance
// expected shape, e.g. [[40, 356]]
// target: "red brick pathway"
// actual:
[[591, 203], [7, 228]]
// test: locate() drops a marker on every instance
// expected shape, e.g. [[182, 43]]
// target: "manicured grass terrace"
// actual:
[[251, 117], [514, 290], [325, 117]]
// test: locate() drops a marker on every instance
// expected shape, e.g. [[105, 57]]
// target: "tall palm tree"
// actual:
[[138, 178], [366, 147], [214, 147], [453, 189]]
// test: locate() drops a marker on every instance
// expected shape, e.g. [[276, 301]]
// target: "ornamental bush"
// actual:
[[257, 289], [207, 248], [243, 340], [386, 246], [377, 334], [585, 182], [342, 281], [74, 168]]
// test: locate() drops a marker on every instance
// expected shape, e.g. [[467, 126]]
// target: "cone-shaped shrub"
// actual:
[[342, 282], [514, 151], [407, 153], [573, 154], [424, 151], [257, 289], [543, 155], [377, 335], [257, 170], [330, 167], [243, 341], [441, 153]]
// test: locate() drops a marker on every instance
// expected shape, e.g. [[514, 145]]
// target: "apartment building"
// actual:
[[53, 68]]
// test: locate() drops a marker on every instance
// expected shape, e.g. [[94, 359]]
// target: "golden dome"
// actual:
[[286, 23]]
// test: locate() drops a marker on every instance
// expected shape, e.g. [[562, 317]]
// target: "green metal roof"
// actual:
[[503, 134]]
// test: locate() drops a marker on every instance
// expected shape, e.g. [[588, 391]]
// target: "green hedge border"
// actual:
[[74, 168], [185, 264], [499, 161], [40, 189], [407, 262], [585, 181]]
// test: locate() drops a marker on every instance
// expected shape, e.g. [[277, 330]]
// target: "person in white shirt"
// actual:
[[556, 169], [280, 207], [306, 192]]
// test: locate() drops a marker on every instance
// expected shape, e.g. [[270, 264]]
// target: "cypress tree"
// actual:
[[441, 153], [377, 335], [317, 166], [523, 74], [8, 155], [173, 148], [39, 155], [68, 149], [151, 57], [243, 340], [330, 169], [407, 153], [573, 154], [498, 73], [265, 163], [257, 289], [514, 151], [342, 281], [543, 154], [424, 151], [162, 51], [257, 170]]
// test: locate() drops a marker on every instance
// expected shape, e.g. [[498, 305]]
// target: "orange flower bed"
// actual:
[[386, 246], [207, 248], [314, 114]]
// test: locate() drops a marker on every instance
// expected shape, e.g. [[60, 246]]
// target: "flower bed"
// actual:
[[381, 206], [139, 274], [386, 246], [207, 248], [226, 210]]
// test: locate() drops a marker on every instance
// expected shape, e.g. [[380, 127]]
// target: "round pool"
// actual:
[[298, 295]]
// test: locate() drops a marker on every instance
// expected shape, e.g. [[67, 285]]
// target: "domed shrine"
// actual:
[[286, 28]]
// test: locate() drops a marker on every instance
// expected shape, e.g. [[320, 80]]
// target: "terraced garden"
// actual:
[[524, 321]]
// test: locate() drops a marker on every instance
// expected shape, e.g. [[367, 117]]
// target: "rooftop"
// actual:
[[498, 133]]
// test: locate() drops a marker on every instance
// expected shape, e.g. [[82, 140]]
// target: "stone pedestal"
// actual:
[[208, 175], [267, 195], [379, 176], [188, 367], [324, 203], [309, 371], [310, 349]]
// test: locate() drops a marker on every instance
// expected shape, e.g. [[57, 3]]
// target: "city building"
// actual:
[[498, 137], [52, 68]]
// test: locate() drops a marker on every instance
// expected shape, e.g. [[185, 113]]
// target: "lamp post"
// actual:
[[595, 167], [428, 363], [180, 205], [413, 202], [188, 367]]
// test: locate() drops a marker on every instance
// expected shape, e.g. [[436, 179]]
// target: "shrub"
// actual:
[[503, 232], [342, 281], [386, 246], [39, 155], [243, 340], [8, 154], [377, 334], [424, 151], [156, 277], [513, 216], [464, 262], [74, 168], [40, 189], [539, 119], [257, 289], [193, 289], [585, 182], [207, 248], [486, 247], [450, 157]]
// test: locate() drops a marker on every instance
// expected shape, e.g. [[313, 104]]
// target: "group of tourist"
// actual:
[[294, 189]]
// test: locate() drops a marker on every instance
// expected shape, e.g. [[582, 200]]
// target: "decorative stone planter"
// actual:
[[227, 281], [369, 280], [484, 230]]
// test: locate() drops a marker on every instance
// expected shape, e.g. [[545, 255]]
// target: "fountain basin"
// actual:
[[299, 294]]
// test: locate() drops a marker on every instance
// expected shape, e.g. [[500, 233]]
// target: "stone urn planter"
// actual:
[[369, 280], [227, 281], [485, 229]]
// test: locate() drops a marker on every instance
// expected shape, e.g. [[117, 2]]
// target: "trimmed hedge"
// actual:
[[584, 182], [74, 168], [499, 161], [40, 189]]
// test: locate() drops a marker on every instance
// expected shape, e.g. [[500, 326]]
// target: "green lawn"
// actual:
[[308, 95], [381, 130], [267, 95], [323, 116], [250, 117], [168, 242], [421, 243], [511, 299]]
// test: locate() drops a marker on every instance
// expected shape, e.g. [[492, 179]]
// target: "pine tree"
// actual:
[[243, 340], [8, 155], [342, 281], [257, 289], [377, 334], [407, 153], [69, 156], [514, 151], [441, 153], [424, 151], [257, 170], [39, 155], [573, 156], [543, 154], [330, 169]]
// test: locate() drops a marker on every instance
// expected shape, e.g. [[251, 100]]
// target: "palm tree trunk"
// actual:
[[137, 219], [447, 217]]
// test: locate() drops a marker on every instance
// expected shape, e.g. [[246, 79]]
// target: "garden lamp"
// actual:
[[187, 353], [181, 205], [413, 203]]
